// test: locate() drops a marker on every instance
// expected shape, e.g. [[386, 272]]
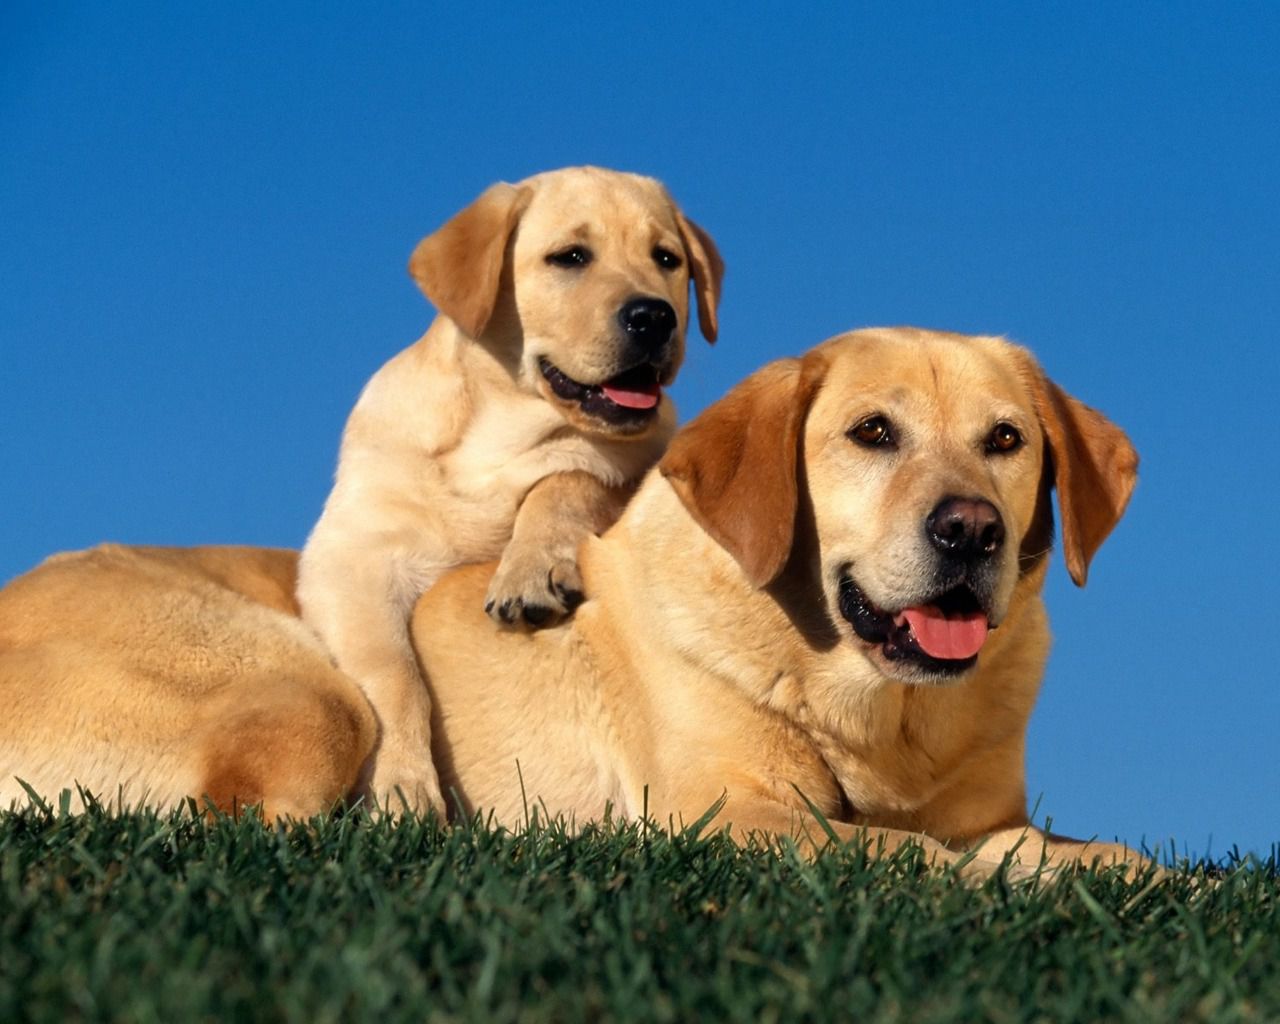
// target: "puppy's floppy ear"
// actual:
[[735, 466], [1095, 468], [459, 267], [708, 272]]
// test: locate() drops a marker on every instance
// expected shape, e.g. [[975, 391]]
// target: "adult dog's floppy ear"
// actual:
[[707, 269], [459, 267], [734, 467], [1095, 468]]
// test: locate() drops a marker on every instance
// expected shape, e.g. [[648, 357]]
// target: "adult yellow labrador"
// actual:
[[827, 594], [512, 429]]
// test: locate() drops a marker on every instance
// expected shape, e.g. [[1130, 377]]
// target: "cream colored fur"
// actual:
[[458, 450], [148, 675]]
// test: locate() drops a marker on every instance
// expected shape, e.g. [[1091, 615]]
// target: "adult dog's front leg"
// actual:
[[757, 815], [1033, 847], [811, 835], [537, 582]]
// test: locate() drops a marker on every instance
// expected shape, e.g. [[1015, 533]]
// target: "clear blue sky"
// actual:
[[205, 213]]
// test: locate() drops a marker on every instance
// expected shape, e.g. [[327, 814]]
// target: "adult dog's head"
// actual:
[[911, 471], [577, 281]]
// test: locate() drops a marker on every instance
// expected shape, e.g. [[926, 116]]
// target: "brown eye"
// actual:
[[665, 258], [574, 257], [873, 432], [1003, 439]]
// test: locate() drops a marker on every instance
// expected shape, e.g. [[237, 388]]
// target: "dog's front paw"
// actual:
[[405, 788], [531, 589]]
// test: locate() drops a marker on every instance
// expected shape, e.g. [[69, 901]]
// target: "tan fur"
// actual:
[[458, 451], [147, 675], [698, 669]]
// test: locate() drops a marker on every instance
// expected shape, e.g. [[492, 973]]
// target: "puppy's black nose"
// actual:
[[648, 323], [968, 529]]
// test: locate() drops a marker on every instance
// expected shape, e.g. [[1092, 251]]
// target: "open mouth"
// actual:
[[630, 398], [943, 635]]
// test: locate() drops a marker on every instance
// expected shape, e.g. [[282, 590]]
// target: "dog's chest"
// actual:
[[507, 448]]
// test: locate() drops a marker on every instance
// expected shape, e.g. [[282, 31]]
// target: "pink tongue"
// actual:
[[633, 399], [961, 636]]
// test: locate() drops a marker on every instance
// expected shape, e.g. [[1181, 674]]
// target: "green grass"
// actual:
[[174, 917]]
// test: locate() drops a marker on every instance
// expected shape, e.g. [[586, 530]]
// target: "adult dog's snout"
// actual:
[[647, 323], [965, 529]]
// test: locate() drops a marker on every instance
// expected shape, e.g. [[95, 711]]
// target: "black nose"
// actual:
[[648, 323], [968, 529]]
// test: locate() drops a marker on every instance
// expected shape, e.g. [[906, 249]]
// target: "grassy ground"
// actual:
[[172, 918]]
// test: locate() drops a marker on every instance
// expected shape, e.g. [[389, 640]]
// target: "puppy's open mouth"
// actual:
[[942, 636], [629, 399]]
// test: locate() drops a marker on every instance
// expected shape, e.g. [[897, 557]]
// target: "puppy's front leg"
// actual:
[[365, 626], [537, 582]]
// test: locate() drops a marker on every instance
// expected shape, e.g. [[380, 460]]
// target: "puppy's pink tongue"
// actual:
[[645, 397], [953, 639]]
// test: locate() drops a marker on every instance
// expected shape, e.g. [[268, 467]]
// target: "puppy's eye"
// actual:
[[873, 432], [665, 258], [1003, 439], [574, 257]]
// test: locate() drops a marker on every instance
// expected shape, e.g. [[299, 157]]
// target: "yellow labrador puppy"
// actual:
[[515, 427], [827, 597]]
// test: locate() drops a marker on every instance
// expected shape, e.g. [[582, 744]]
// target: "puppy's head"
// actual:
[[921, 463], [578, 281]]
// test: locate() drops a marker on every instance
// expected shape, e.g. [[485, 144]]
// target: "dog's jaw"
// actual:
[[934, 640], [625, 405]]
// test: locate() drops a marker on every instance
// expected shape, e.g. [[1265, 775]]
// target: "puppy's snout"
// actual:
[[648, 323], [966, 529]]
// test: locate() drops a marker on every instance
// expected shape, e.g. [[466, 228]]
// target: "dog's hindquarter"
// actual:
[[149, 675]]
